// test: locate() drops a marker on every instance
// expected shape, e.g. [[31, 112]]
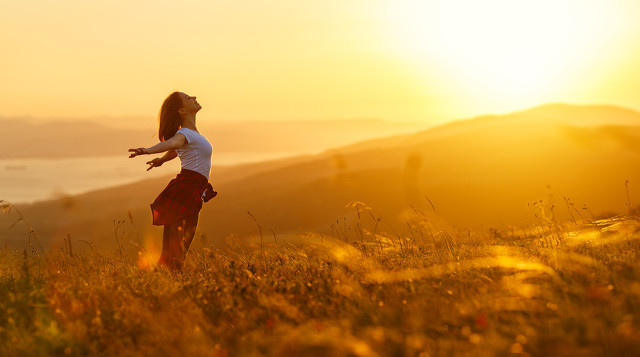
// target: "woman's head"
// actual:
[[189, 104], [174, 108]]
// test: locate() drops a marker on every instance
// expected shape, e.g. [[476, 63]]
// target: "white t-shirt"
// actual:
[[195, 155]]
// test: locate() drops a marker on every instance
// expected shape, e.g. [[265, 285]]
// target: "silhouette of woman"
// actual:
[[178, 205]]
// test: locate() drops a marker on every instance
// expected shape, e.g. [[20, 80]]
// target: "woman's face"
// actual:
[[189, 103]]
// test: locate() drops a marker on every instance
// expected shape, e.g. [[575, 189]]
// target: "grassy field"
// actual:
[[546, 290]]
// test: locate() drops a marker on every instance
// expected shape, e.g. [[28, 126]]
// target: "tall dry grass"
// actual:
[[369, 289]]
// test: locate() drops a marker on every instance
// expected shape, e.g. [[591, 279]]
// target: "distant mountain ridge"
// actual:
[[22, 139], [584, 114], [544, 115]]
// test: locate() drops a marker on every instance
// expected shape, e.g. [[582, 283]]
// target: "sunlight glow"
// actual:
[[148, 257], [504, 47]]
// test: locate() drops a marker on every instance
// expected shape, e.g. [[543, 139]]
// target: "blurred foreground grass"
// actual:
[[547, 290]]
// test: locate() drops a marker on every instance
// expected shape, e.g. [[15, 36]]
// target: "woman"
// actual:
[[178, 205]]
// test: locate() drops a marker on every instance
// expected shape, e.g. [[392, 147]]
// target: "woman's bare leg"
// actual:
[[191, 224], [176, 240], [167, 233]]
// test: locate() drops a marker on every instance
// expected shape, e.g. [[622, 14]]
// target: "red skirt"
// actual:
[[182, 197]]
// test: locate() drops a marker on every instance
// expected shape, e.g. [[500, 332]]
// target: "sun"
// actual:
[[501, 47]]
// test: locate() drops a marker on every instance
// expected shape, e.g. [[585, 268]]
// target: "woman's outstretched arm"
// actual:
[[158, 161], [176, 142]]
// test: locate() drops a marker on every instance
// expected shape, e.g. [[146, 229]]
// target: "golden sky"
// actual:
[[417, 60]]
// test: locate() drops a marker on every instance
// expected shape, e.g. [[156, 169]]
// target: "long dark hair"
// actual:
[[169, 119]]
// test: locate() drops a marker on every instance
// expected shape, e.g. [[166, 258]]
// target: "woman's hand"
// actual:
[[136, 152], [157, 162]]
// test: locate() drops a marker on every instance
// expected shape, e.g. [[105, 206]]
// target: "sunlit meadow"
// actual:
[[86, 79], [556, 288]]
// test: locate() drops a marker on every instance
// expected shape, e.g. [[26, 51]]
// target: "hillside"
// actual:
[[544, 115], [493, 171]]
